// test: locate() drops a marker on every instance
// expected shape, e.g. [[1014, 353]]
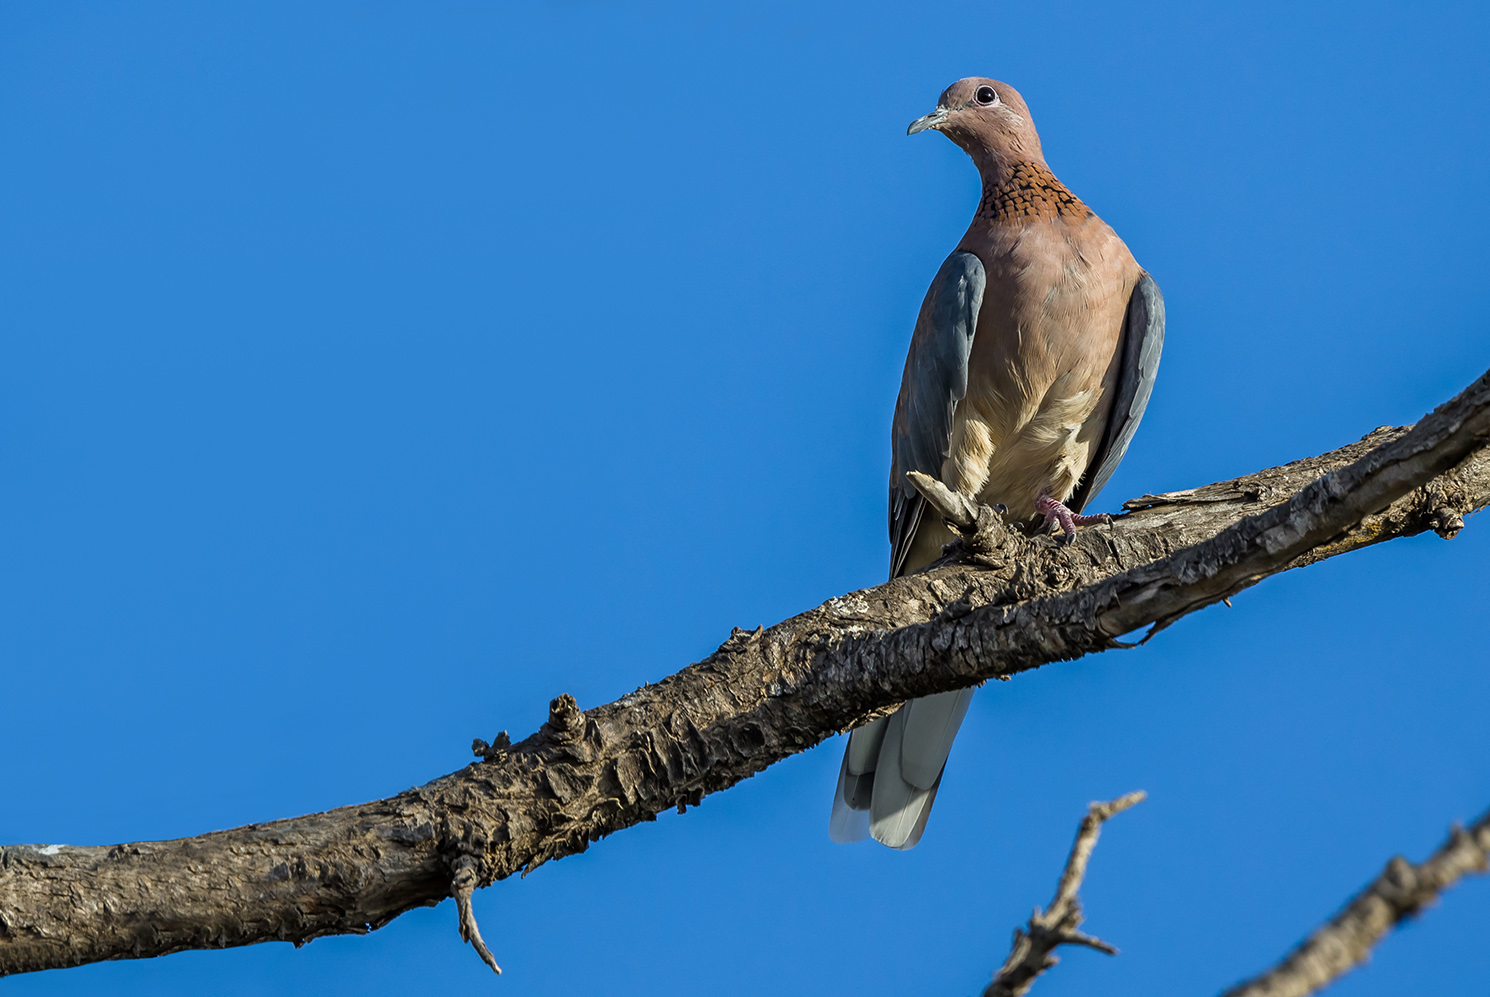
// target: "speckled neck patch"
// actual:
[[1029, 190]]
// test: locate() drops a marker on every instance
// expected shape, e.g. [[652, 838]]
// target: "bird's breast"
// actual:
[[1043, 370]]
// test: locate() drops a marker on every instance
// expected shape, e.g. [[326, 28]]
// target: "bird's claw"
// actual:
[[1056, 512]]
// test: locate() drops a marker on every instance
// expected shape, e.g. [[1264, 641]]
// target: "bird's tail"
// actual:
[[891, 770]]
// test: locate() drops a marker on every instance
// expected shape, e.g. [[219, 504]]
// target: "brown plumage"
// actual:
[[1043, 368], [1029, 368]]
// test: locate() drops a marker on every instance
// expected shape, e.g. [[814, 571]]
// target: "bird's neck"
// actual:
[[1023, 190]]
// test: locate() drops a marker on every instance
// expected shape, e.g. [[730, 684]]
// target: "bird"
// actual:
[[1031, 363]]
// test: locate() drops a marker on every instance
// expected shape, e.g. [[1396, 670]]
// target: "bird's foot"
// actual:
[[1057, 512]]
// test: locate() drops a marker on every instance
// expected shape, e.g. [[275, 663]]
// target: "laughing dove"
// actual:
[[1030, 366]]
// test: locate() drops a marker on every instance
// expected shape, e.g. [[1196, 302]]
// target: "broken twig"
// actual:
[[1034, 945], [464, 881]]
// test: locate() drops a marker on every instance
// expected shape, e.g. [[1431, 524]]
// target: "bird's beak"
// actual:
[[933, 120]]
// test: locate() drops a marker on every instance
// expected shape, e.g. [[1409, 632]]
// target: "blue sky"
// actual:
[[373, 373]]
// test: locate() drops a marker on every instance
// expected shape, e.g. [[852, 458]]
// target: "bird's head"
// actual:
[[987, 118]]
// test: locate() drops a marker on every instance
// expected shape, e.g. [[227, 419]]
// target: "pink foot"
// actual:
[[1056, 512]]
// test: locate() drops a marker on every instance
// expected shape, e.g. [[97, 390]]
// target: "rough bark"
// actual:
[[1003, 604], [1402, 890]]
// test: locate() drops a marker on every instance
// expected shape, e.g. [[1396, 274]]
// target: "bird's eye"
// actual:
[[985, 95]]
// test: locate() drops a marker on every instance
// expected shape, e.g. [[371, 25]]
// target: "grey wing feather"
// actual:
[[1142, 342], [892, 766], [935, 380]]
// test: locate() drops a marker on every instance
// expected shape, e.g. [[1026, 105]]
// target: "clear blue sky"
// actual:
[[373, 373]]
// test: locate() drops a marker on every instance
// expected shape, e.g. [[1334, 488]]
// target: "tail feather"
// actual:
[[931, 725], [898, 810], [892, 767], [864, 746], [849, 823]]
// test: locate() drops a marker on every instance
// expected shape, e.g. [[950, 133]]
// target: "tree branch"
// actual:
[[1004, 603], [1344, 942], [1032, 952], [1401, 891]]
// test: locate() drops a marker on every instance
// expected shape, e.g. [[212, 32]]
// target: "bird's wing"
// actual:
[[935, 380], [1142, 342]]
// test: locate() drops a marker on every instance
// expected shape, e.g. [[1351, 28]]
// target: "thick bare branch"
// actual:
[[1006, 603], [1033, 951], [1398, 893]]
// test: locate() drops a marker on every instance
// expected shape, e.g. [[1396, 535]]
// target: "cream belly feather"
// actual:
[[1043, 368]]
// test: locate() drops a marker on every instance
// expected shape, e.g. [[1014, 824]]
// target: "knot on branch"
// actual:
[[491, 752], [739, 639], [980, 529], [1446, 523], [1398, 885], [566, 723], [1476, 841]]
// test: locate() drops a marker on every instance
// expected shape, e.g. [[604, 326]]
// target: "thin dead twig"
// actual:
[[1033, 950], [461, 886]]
